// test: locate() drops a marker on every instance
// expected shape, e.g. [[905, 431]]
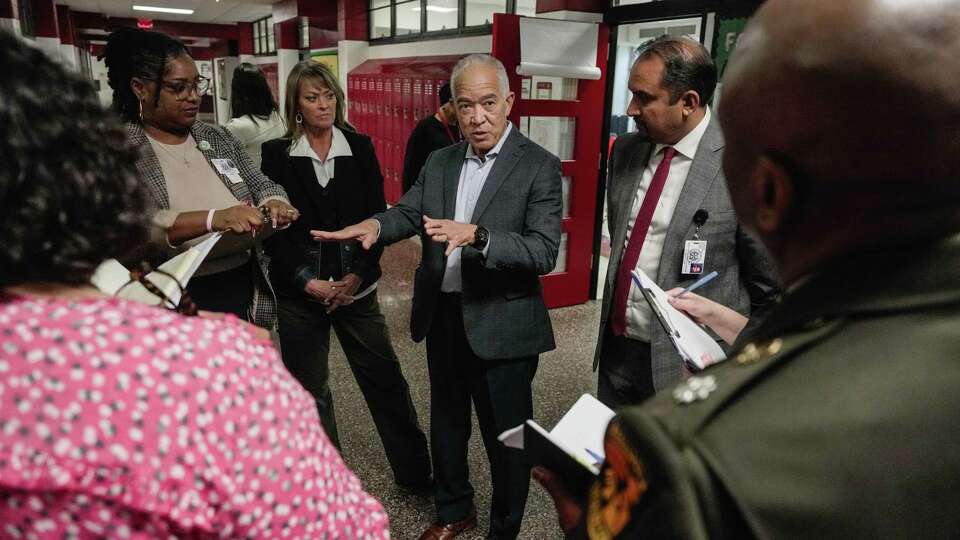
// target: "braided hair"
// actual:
[[131, 52]]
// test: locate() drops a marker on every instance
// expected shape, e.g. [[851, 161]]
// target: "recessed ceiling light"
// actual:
[[436, 9], [164, 10]]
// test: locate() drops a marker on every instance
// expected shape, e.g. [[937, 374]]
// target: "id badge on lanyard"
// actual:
[[695, 251]]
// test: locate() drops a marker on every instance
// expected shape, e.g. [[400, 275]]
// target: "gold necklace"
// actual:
[[186, 149]]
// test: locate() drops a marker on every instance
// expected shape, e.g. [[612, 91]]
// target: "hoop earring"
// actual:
[[299, 118], [140, 104]]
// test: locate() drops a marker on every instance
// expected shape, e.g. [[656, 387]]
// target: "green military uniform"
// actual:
[[840, 419]]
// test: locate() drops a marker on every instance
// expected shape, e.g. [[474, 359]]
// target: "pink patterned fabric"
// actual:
[[124, 421]]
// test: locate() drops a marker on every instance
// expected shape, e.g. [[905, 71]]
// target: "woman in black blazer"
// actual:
[[331, 173]]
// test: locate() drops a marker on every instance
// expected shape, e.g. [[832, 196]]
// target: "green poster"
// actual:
[[728, 31]]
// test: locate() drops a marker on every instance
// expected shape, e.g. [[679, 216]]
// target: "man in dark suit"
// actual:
[[841, 417], [667, 201], [488, 211], [434, 132]]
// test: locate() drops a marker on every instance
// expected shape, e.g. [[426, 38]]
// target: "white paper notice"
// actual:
[[558, 49], [693, 344]]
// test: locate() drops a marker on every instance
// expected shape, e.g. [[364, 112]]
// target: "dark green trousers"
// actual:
[[304, 328]]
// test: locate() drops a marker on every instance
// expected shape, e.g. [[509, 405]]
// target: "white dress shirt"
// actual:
[[473, 175], [253, 132], [324, 169], [638, 314]]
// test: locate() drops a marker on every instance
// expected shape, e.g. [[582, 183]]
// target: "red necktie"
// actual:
[[637, 236]]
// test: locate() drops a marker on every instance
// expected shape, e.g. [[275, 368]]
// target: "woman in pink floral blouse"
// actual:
[[117, 419]]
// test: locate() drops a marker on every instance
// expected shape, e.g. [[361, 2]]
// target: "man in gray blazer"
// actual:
[[488, 211], [667, 195]]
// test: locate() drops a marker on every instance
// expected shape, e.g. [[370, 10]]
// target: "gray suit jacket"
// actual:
[[747, 282], [255, 188], [503, 310]]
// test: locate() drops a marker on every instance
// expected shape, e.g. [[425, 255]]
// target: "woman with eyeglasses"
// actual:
[[331, 173], [199, 177], [119, 419]]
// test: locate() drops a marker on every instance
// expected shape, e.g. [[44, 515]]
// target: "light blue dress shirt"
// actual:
[[473, 175]]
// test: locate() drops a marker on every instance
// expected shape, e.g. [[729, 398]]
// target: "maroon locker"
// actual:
[[391, 111], [351, 97], [429, 97], [364, 121], [397, 122], [391, 96], [391, 175], [365, 104], [407, 104], [394, 127], [388, 114], [383, 123], [399, 149], [377, 118], [417, 99]]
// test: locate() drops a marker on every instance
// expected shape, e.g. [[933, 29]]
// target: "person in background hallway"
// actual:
[[331, 174], [254, 117], [665, 191], [434, 132], [199, 177], [118, 419], [840, 418], [488, 211]]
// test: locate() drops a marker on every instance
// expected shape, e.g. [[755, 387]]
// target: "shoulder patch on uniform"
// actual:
[[621, 485]]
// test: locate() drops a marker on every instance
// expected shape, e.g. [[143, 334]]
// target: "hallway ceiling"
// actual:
[[205, 11]]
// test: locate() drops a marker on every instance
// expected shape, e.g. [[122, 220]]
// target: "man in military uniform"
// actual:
[[840, 418]]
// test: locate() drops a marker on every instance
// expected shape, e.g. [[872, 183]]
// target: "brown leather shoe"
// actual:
[[441, 531]]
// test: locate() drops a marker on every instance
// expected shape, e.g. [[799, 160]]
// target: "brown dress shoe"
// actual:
[[441, 531]]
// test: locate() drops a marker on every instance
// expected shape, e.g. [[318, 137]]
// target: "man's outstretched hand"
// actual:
[[367, 232], [569, 508], [453, 233]]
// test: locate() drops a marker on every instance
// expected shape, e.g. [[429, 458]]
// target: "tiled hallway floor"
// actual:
[[564, 374]]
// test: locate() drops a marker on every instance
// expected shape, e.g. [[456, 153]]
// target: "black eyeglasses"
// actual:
[[182, 89]]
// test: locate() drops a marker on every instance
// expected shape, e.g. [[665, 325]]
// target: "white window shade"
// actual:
[[558, 49]]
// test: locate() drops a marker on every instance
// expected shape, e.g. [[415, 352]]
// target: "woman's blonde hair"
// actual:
[[320, 73]]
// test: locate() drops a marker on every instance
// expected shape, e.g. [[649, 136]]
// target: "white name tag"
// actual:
[[694, 257], [225, 166]]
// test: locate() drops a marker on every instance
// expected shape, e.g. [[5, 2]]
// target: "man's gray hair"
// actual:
[[474, 60]]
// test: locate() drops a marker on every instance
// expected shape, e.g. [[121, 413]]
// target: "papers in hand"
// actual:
[[111, 276], [573, 448], [697, 349]]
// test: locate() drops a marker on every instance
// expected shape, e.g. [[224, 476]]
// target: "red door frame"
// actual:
[[572, 286]]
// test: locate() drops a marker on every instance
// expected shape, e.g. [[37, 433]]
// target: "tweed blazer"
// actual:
[[747, 281], [504, 314], [256, 189]]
